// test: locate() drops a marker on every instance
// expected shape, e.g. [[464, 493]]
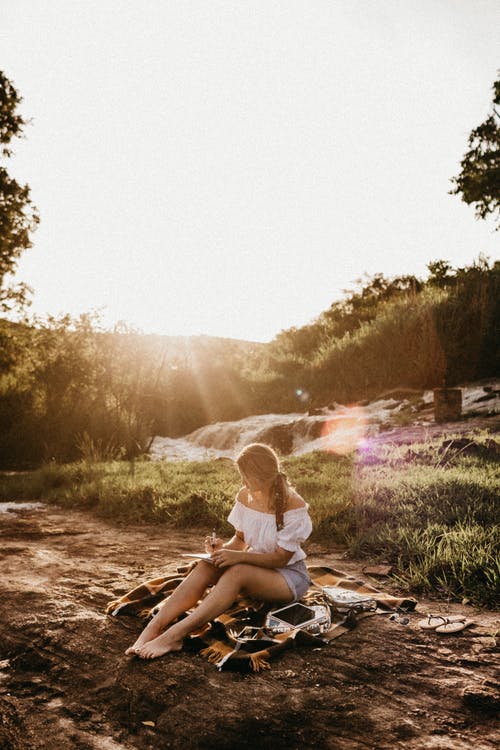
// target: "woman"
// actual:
[[262, 560]]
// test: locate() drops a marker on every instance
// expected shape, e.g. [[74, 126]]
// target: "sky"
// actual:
[[230, 167]]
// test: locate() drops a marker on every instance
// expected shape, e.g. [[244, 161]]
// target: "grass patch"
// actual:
[[431, 510], [185, 494]]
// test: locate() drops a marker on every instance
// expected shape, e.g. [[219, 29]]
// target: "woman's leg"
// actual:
[[182, 598], [261, 583]]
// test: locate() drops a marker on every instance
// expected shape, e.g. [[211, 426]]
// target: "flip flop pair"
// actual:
[[441, 624]]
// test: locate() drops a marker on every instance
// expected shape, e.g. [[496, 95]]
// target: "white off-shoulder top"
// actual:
[[260, 532]]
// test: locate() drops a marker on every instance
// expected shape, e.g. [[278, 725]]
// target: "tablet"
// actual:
[[294, 615]]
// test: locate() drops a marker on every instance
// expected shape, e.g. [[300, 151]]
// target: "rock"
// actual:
[[487, 643], [279, 437], [485, 697], [421, 405], [378, 570], [490, 393]]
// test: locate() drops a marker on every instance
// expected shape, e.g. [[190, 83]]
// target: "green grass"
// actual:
[[431, 510], [185, 494]]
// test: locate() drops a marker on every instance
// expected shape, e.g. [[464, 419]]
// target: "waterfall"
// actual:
[[289, 434], [340, 428]]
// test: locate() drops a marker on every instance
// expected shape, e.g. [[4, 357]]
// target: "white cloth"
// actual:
[[261, 534]]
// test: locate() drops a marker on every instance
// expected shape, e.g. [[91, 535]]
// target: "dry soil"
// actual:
[[65, 682]]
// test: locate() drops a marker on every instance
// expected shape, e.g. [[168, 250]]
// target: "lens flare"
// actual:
[[346, 431], [302, 395]]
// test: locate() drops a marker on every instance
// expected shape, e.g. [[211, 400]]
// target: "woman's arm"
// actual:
[[237, 542], [224, 557]]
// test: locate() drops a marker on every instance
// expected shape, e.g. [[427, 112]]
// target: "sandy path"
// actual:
[[64, 682]]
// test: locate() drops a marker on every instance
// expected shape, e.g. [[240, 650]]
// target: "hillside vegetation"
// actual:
[[69, 389]]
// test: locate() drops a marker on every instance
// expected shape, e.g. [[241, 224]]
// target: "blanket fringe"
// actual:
[[219, 654], [214, 654], [258, 662]]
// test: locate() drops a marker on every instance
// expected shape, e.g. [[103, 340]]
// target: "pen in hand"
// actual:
[[213, 539]]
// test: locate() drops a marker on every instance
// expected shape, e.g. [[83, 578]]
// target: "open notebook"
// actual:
[[198, 555]]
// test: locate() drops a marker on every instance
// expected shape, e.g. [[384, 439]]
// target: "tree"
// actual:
[[18, 216], [479, 179]]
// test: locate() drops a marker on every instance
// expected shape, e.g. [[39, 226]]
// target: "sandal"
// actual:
[[454, 627], [434, 622]]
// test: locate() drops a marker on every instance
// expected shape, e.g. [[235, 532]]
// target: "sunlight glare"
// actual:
[[345, 432]]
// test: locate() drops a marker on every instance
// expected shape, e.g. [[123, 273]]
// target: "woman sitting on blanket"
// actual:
[[262, 560]]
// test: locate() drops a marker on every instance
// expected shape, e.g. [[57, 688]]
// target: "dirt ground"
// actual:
[[65, 682]]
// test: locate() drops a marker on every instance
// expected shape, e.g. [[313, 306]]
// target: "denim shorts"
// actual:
[[297, 578]]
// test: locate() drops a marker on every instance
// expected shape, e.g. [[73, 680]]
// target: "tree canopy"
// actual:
[[18, 216], [479, 180]]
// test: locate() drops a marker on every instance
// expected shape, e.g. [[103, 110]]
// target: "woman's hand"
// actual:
[[223, 558], [212, 544]]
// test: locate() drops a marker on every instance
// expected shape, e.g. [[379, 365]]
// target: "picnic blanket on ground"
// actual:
[[217, 640]]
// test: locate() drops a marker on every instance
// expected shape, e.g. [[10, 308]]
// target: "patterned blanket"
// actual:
[[217, 640]]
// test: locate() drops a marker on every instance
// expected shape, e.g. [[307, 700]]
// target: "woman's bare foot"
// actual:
[[159, 646], [149, 633], [132, 650]]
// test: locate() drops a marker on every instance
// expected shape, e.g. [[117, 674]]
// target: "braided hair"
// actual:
[[260, 461], [279, 493]]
